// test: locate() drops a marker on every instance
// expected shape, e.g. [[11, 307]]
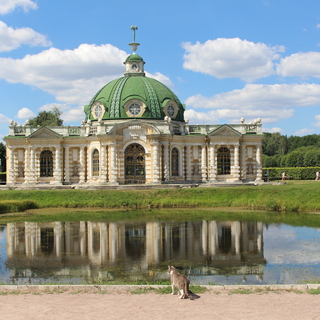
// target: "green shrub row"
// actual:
[[16, 206], [301, 173]]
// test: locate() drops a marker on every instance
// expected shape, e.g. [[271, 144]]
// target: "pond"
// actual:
[[210, 252]]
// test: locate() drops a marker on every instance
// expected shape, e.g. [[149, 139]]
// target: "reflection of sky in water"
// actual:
[[291, 246], [3, 253], [292, 255]]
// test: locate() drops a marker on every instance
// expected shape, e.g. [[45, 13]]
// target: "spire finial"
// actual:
[[134, 28], [134, 45]]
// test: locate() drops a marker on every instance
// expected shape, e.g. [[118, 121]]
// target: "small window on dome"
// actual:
[[170, 111], [134, 67], [97, 110], [134, 109]]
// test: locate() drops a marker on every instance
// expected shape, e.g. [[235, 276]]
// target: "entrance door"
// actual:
[[135, 164]]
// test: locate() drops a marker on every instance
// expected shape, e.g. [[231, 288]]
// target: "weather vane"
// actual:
[[134, 28]]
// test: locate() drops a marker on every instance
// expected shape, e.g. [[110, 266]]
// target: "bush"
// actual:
[[296, 173], [16, 206]]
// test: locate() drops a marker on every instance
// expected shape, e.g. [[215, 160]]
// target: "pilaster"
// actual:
[[82, 166], [103, 177], [66, 165], [259, 168], [236, 173], [213, 168], [203, 163], [156, 168]]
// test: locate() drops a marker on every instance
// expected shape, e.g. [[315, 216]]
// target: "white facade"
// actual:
[[129, 152]]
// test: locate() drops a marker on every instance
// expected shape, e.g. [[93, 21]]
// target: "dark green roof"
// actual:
[[134, 57], [151, 92]]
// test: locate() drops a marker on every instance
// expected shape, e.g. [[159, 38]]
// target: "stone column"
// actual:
[[66, 166], [203, 163], [11, 166], [103, 178], [15, 166], [259, 167], [243, 163], [32, 169], [213, 169], [188, 162], [156, 167], [82, 166], [58, 167], [113, 167], [236, 173], [26, 166], [166, 164]]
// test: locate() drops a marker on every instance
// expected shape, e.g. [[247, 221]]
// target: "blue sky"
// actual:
[[224, 59]]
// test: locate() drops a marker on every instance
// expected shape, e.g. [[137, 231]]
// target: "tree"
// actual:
[[47, 118], [274, 143], [312, 158], [3, 156]]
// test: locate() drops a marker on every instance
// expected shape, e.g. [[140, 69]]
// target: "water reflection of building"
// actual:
[[206, 245]]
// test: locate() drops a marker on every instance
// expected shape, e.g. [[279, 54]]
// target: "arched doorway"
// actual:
[[134, 164], [46, 164], [224, 160]]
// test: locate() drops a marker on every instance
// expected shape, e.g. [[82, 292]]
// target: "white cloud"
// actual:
[[271, 103], [231, 58], [25, 113], [162, 78], [7, 6], [317, 117], [234, 116], [304, 132], [11, 39], [72, 76], [303, 64], [73, 114], [273, 130], [69, 114], [4, 119], [259, 96], [51, 106]]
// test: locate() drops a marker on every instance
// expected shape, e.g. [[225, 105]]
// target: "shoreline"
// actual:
[[126, 288]]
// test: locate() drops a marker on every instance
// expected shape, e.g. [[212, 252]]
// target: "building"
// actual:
[[134, 132]]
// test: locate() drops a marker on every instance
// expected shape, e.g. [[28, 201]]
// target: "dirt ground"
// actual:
[[120, 303]]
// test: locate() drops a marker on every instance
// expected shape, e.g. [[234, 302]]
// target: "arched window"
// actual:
[[223, 160], [46, 164], [174, 162], [95, 163]]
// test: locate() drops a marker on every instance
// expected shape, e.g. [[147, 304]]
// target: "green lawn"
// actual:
[[294, 196]]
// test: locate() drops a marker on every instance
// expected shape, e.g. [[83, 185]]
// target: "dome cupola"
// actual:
[[134, 95]]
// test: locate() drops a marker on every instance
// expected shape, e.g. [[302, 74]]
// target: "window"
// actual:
[[46, 164], [170, 111], [95, 163], [175, 162], [98, 110], [223, 160], [134, 109]]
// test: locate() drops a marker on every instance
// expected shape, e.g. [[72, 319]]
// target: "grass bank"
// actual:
[[294, 196]]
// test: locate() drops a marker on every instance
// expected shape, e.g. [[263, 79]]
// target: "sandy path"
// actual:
[[115, 304]]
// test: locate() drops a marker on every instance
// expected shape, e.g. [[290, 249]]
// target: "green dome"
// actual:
[[134, 57], [132, 97]]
